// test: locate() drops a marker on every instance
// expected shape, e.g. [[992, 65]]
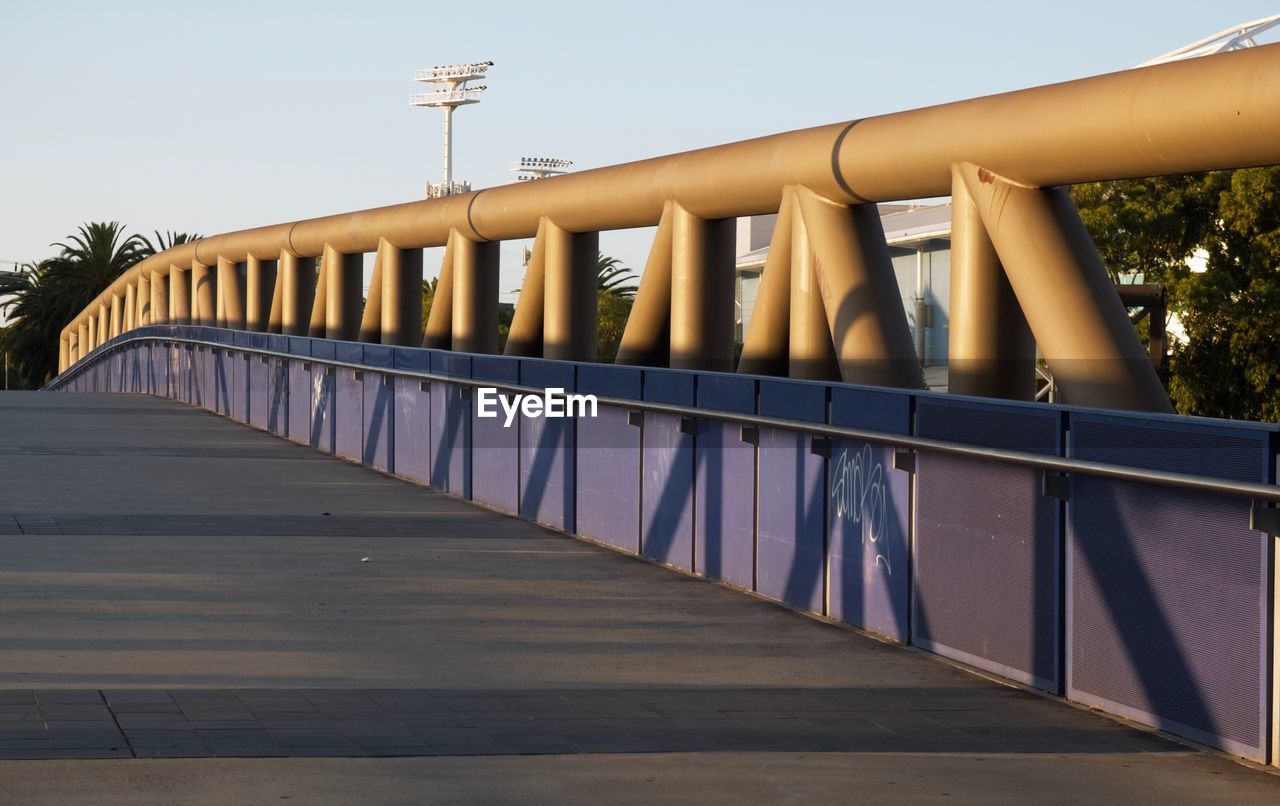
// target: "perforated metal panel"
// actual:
[[725, 483], [868, 569], [607, 453], [546, 451], [495, 466], [666, 489], [1168, 607], [987, 567]]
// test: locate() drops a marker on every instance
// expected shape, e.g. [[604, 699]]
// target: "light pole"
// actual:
[[528, 168], [454, 92]]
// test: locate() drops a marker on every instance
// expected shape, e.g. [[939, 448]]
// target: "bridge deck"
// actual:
[[174, 584]]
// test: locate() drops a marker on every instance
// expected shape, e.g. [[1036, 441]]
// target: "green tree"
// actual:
[[59, 288], [428, 296], [614, 278], [165, 240], [1229, 365]]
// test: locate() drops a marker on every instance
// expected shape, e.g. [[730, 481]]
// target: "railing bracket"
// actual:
[[1264, 518], [749, 434], [689, 425], [635, 418], [820, 446], [1054, 485], [904, 461]]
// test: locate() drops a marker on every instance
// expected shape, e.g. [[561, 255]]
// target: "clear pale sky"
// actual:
[[215, 116]]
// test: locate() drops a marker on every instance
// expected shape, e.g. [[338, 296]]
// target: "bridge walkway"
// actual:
[[173, 584]]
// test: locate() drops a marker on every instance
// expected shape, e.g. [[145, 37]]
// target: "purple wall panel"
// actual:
[[495, 465], [349, 413], [987, 564], [724, 485], [607, 497], [239, 396], [412, 430], [608, 479], [1168, 610], [160, 362], [278, 397], [868, 567], [323, 400], [450, 427], [221, 381], [378, 421], [792, 496], [546, 451], [666, 489], [261, 371], [175, 371], [378, 410], [299, 401]]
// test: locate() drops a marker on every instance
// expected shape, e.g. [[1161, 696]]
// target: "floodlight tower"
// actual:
[[454, 92], [539, 167]]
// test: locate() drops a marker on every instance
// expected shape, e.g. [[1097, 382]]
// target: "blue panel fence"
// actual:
[[1149, 602]]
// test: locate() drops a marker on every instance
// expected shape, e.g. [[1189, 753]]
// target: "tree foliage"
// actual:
[[53, 291], [1229, 365]]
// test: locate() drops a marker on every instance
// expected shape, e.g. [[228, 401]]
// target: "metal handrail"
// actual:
[[1251, 490]]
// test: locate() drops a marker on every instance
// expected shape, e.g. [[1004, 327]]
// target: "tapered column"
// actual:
[[569, 316], [82, 333], [142, 306], [859, 293], [275, 312], [438, 333], [315, 326], [701, 292], [370, 330], [297, 288], [990, 349], [230, 295], [117, 312], [766, 344], [103, 321], [811, 353], [475, 295], [401, 295], [159, 299], [64, 354], [525, 336], [202, 295], [1066, 294], [91, 328], [179, 296], [342, 294], [259, 284], [130, 307], [646, 340]]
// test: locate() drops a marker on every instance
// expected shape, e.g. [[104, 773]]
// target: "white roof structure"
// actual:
[[1233, 38]]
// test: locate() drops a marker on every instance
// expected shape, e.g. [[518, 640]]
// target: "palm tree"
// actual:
[[37, 313], [166, 240], [96, 255], [614, 278], [59, 288]]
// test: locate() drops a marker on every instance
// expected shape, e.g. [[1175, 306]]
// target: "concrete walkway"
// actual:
[[174, 584]]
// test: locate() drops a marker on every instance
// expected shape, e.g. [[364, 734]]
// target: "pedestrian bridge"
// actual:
[[1103, 552], [1122, 561]]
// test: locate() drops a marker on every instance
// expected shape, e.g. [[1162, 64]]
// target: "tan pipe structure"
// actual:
[[259, 285], [179, 296], [991, 351], [1127, 124]]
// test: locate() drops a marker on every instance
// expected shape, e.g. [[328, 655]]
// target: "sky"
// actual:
[[216, 116]]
